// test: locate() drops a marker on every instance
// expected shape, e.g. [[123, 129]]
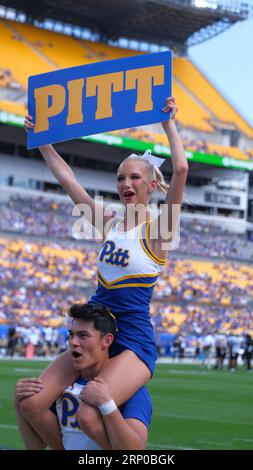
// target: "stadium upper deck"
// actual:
[[173, 23], [27, 50]]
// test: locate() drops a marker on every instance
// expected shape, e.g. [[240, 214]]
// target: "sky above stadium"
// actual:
[[228, 62]]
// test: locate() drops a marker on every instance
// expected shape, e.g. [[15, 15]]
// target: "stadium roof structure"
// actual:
[[170, 23]]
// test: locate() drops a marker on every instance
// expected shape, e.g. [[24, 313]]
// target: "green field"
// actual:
[[192, 408]]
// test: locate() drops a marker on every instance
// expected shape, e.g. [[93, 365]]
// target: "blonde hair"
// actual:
[[153, 171]]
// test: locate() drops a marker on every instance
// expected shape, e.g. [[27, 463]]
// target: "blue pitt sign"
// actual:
[[100, 97]]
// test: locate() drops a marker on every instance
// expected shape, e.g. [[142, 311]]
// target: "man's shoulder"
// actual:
[[139, 406]]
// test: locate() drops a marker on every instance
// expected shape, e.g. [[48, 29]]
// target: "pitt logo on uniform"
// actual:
[[69, 405], [112, 256], [100, 97]]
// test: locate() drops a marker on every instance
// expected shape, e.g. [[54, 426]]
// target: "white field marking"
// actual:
[[191, 400], [170, 379], [198, 401], [214, 443], [29, 361], [188, 400], [8, 426], [195, 418], [242, 439], [26, 369], [170, 446], [190, 372]]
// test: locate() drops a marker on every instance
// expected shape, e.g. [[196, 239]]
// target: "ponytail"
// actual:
[[161, 184]]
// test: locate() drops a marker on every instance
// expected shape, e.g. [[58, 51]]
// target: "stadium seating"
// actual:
[[191, 77], [39, 216], [104, 52], [59, 53], [13, 108], [233, 152], [19, 57], [5, 78], [192, 115], [39, 280], [29, 50], [193, 145], [56, 52], [43, 217]]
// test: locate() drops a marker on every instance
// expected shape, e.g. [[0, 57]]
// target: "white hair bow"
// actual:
[[157, 161]]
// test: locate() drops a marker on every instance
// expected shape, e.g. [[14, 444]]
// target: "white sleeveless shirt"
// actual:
[[127, 270]]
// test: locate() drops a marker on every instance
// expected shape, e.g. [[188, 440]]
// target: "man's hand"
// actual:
[[95, 393], [26, 388]]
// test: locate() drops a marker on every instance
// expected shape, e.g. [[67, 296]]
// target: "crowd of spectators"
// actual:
[[197, 319], [37, 216], [194, 145], [39, 281], [213, 241], [46, 218]]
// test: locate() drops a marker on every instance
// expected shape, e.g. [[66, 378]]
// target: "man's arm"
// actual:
[[25, 388], [127, 434]]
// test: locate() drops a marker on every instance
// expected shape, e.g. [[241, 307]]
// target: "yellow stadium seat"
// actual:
[[61, 52], [186, 72], [18, 56], [191, 113], [233, 152], [34, 50], [28, 50], [13, 108], [57, 271]]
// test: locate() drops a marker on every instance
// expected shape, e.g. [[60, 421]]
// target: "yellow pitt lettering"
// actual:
[[145, 77], [75, 101], [102, 86], [42, 109]]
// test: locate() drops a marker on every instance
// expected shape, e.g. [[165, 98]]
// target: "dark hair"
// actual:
[[101, 316]]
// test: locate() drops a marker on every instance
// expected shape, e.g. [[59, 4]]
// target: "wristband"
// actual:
[[107, 408]]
